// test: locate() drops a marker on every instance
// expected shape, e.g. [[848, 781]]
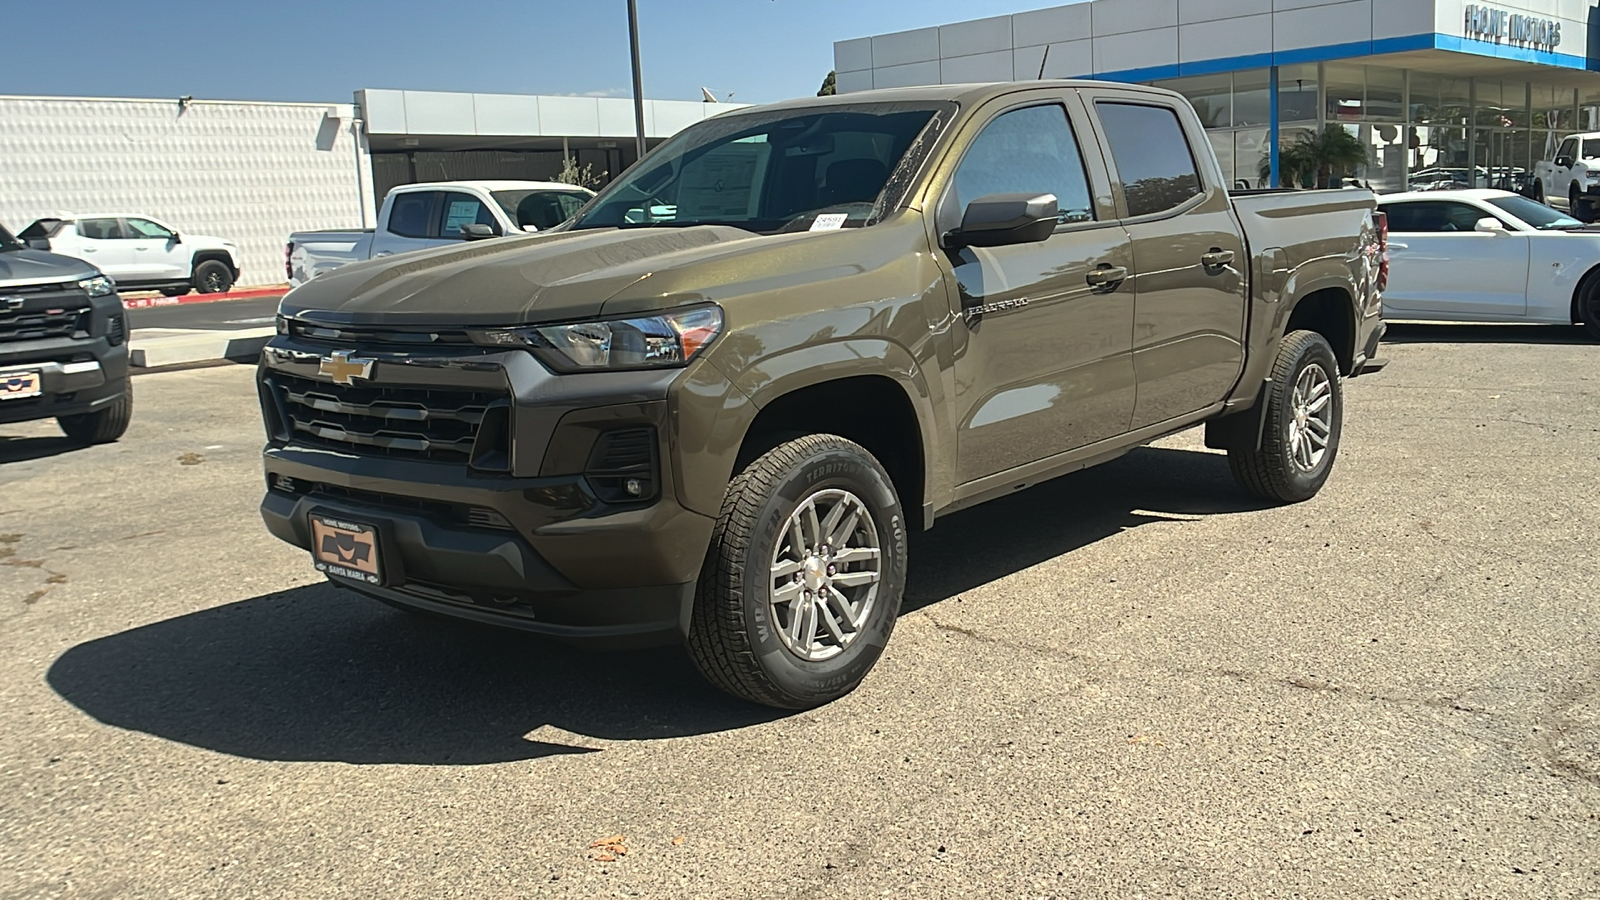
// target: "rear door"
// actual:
[[413, 224], [1042, 363], [1439, 266], [1189, 291], [99, 241]]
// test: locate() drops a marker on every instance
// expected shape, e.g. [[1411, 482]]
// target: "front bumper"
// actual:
[[534, 546], [77, 376]]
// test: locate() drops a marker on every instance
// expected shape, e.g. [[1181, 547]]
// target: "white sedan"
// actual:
[[1489, 256]]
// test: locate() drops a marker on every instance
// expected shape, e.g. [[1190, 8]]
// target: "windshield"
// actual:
[[540, 208], [1536, 214], [7, 241], [785, 170]]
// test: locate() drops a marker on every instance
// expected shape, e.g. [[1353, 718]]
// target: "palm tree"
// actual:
[[1315, 158]]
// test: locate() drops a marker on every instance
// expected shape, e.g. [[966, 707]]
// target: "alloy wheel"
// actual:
[[1311, 429], [825, 574]]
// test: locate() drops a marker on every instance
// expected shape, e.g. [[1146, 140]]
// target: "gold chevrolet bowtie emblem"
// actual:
[[344, 370]]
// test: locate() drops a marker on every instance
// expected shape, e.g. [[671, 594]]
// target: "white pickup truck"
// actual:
[[417, 216], [1572, 179]]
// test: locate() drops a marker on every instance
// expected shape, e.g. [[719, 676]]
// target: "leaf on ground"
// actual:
[[608, 849], [190, 459], [677, 841]]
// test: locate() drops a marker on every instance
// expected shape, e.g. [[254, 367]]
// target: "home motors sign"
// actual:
[[1485, 23]]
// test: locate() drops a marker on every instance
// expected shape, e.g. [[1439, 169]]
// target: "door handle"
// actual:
[[1217, 258], [1106, 277]]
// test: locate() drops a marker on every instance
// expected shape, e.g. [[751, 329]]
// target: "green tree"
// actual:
[[827, 87], [1314, 159]]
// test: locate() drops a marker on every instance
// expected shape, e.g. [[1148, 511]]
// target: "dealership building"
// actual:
[[1442, 92], [255, 172]]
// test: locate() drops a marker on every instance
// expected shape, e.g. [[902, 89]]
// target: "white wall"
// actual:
[[248, 172], [531, 115]]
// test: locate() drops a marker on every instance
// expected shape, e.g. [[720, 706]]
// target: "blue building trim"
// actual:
[[1353, 50]]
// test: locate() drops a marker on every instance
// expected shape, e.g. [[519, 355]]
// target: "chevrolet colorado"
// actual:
[[711, 407]]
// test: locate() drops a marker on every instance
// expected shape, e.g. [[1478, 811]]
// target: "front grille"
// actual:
[[345, 335], [459, 513], [44, 317], [437, 424]]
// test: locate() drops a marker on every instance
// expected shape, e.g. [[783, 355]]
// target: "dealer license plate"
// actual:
[[345, 549], [20, 385]]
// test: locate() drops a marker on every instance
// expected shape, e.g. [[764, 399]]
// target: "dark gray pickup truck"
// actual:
[[711, 407]]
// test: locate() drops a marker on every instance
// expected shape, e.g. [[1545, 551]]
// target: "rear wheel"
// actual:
[[1538, 191], [1576, 207], [212, 277], [803, 580], [176, 291], [1304, 419], [104, 425]]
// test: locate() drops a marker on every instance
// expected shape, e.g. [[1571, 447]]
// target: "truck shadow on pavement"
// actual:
[[26, 449], [1412, 333], [319, 674]]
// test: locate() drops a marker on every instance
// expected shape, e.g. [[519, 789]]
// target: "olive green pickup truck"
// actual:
[[712, 406]]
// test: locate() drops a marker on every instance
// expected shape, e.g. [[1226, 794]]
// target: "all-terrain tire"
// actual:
[[1277, 470], [104, 425], [733, 632], [212, 277]]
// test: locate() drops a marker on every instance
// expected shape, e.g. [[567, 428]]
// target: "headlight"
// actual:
[[98, 286], [648, 342]]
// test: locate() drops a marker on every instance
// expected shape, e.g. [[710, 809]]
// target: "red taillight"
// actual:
[[1383, 250], [288, 267]]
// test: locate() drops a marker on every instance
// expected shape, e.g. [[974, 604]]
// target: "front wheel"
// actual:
[[213, 277], [1304, 418], [103, 425], [1589, 308], [1538, 192], [803, 579]]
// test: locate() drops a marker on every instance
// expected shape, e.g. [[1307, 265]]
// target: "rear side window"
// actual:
[[463, 209], [1152, 157], [1027, 151], [99, 229], [409, 215], [1591, 148]]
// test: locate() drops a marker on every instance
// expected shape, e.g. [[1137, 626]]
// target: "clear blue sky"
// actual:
[[762, 50]]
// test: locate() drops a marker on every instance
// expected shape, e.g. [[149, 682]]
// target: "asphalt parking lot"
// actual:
[[1130, 682]]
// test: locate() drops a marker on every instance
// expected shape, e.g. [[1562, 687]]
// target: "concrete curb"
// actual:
[[152, 347]]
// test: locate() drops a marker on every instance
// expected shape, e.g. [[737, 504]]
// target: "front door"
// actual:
[[1042, 363], [1440, 266], [1190, 291], [156, 251]]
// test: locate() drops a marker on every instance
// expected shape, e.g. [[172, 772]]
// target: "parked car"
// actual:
[[140, 252], [63, 344], [1490, 256], [1571, 180], [417, 216], [711, 407]]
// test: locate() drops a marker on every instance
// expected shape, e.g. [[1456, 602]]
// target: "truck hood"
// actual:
[[517, 280], [25, 267]]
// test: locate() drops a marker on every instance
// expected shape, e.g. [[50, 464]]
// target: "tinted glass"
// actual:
[[1568, 147], [1027, 151], [1536, 214], [463, 209], [1434, 216], [766, 172], [1591, 148], [7, 242], [43, 228], [99, 229], [540, 209], [409, 215], [1152, 157], [144, 228]]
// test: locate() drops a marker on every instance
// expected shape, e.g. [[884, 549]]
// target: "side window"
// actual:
[[542, 209], [1152, 156], [463, 209], [1591, 148], [570, 204], [1027, 151], [409, 215], [146, 229], [99, 229], [1434, 217], [1569, 148]]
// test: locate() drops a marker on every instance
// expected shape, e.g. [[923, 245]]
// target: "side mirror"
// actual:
[[176, 238], [997, 220], [477, 231], [1564, 162], [1490, 225]]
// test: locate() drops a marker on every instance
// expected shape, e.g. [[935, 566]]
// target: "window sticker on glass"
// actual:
[[829, 221], [723, 184], [462, 212]]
